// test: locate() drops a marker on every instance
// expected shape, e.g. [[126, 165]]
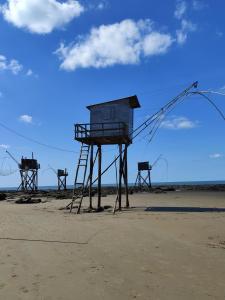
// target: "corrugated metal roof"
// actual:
[[132, 101]]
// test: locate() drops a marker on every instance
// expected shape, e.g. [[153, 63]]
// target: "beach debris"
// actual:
[[3, 196], [27, 200]]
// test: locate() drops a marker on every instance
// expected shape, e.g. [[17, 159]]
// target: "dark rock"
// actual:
[[100, 209]]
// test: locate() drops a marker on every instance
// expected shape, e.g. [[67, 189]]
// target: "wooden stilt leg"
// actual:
[[120, 178], [149, 178], [91, 176], [126, 177], [99, 175]]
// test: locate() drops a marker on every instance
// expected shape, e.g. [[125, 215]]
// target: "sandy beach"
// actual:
[[174, 251]]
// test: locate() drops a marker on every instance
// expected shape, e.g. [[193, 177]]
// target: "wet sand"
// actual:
[[175, 253]]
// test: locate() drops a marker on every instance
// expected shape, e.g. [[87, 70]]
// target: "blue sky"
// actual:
[[56, 57]]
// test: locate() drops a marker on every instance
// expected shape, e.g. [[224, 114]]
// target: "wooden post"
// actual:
[[139, 181], [65, 187], [120, 178], [99, 175], [58, 183], [149, 179], [126, 177], [91, 176]]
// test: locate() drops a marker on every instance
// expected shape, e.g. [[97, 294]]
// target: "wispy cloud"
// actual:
[[40, 16], [4, 146], [216, 155], [187, 26], [26, 119], [29, 72], [123, 43], [181, 8], [199, 5], [10, 65], [176, 123], [101, 6], [220, 34]]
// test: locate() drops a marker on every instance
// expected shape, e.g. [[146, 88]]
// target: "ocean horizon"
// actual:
[[190, 183]]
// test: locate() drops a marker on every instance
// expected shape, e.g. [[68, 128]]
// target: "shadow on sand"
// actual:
[[184, 209]]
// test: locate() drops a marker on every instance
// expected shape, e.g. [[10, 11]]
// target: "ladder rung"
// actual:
[[76, 198], [82, 165]]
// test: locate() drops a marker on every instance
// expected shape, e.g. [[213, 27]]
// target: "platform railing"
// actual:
[[111, 129]]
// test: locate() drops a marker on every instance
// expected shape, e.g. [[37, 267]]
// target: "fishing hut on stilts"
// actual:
[[111, 123], [144, 176], [29, 174], [28, 168], [62, 179]]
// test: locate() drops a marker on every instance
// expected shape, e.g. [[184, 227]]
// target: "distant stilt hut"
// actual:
[[144, 176]]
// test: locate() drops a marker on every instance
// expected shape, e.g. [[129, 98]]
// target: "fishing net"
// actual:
[[5, 167]]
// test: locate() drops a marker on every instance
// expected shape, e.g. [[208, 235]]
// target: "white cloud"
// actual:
[[156, 43], [179, 123], [4, 146], [216, 155], [120, 43], [181, 8], [26, 119], [186, 27], [10, 65], [40, 16]]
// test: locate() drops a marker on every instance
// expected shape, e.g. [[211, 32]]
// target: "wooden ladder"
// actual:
[[80, 179]]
